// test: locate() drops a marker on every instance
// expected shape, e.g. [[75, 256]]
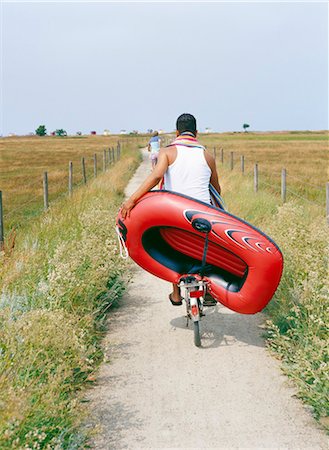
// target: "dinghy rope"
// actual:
[[122, 245]]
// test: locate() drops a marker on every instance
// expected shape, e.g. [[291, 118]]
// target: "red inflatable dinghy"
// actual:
[[243, 266]]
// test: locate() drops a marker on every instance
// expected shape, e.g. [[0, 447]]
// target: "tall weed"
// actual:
[[298, 325], [56, 288]]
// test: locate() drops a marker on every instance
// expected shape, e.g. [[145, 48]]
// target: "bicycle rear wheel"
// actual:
[[197, 338]]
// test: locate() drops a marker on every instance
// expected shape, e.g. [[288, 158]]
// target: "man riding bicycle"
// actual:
[[187, 168]]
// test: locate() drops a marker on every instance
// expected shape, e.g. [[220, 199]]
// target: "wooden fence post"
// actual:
[[45, 191], [231, 161], [109, 156], [242, 164], [113, 159], [2, 240], [83, 165], [283, 185], [327, 201], [95, 165], [104, 160], [222, 155], [256, 177], [70, 178], [214, 153]]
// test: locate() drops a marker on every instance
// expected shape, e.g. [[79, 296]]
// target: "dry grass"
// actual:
[[304, 155], [24, 159]]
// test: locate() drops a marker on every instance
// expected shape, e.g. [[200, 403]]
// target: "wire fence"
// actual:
[[91, 167], [276, 183], [54, 187]]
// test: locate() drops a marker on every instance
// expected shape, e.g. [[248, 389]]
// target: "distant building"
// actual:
[[123, 131], [160, 131], [208, 130], [106, 133]]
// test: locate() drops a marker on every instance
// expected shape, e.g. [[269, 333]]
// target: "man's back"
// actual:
[[188, 172]]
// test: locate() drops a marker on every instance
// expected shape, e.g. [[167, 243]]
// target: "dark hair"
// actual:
[[186, 122]]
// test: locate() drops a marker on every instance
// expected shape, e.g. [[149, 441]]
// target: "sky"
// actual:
[[85, 66]]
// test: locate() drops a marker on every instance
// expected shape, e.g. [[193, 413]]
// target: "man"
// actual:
[[186, 168]]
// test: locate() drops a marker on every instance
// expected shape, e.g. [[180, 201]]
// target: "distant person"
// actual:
[[187, 168], [154, 148]]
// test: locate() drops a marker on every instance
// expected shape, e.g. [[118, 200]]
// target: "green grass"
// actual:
[[56, 289], [298, 315]]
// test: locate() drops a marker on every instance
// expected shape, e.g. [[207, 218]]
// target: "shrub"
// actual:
[[41, 130]]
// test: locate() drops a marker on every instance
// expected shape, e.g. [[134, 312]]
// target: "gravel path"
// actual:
[[160, 391]]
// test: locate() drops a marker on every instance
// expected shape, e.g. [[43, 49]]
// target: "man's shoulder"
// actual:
[[168, 150]]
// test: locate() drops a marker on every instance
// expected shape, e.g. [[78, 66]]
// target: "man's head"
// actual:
[[186, 122], [155, 133]]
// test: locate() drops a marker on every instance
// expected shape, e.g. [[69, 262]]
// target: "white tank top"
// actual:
[[189, 174]]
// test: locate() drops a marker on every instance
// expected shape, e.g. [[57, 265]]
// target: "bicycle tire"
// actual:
[[197, 338]]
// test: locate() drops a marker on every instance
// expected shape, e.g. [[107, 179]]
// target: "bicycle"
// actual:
[[195, 286], [193, 283]]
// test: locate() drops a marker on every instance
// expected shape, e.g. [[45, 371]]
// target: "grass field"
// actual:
[[24, 159], [303, 155]]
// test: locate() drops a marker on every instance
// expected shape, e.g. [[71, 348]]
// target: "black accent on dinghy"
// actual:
[[156, 246]]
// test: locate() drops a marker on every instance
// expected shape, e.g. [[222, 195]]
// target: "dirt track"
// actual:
[[160, 391]]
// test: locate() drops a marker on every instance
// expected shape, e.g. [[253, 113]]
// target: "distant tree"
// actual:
[[41, 130], [60, 132], [79, 133], [150, 130], [245, 126]]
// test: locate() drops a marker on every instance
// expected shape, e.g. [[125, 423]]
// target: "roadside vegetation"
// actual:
[[298, 315], [64, 273], [56, 288]]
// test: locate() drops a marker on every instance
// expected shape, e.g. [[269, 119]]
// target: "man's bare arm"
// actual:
[[152, 180], [214, 176]]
